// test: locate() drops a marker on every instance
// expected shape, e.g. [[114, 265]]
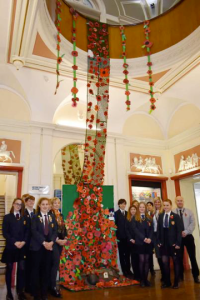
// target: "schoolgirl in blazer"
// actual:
[[15, 231], [58, 245], [43, 236], [143, 240], [174, 231], [37, 231], [169, 235]]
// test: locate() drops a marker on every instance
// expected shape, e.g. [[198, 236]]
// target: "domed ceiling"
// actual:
[[117, 12]]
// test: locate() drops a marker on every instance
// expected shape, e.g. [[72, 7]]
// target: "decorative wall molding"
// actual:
[[180, 58]]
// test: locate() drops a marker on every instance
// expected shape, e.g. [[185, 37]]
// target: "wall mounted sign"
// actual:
[[145, 164], [39, 189], [187, 160], [10, 151]]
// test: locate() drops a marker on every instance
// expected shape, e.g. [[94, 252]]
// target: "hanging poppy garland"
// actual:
[[125, 66], [71, 164], [74, 53], [97, 102], [147, 45], [59, 57]]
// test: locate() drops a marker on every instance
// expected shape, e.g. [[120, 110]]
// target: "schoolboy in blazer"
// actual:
[[124, 251], [29, 213]]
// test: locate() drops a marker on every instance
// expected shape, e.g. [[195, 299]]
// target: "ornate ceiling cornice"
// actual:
[[33, 17]]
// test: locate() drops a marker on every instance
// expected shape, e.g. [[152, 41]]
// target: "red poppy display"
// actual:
[[147, 45]]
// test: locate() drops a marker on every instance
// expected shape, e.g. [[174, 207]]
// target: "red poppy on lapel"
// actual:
[[171, 217]]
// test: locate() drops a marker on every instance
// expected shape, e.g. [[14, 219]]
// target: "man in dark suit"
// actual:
[[123, 246], [29, 213]]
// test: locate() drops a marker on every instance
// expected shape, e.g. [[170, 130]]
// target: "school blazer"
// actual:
[[14, 230], [26, 213], [120, 222], [130, 231], [37, 231], [28, 217], [143, 230], [174, 231]]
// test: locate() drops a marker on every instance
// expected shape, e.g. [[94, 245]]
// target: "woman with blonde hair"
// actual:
[[131, 239], [143, 239], [158, 209], [58, 245], [135, 203], [44, 234], [16, 234]]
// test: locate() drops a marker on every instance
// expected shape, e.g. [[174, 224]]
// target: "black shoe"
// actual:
[[9, 296], [142, 284], [27, 291], [196, 280], [175, 286], [55, 293], [21, 296], [147, 283], [165, 286]]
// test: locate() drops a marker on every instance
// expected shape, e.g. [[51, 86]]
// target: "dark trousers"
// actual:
[[166, 268], [20, 276], [41, 261], [55, 264], [28, 271], [188, 242], [124, 255], [135, 263]]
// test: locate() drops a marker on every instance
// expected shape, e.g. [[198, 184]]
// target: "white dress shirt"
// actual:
[[17, 212], [43, 217], [155, 220]]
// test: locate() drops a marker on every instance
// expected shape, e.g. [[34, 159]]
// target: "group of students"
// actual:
[[154, 226], [34, 240]]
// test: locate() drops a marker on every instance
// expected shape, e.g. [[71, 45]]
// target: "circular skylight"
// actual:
[[124, 12]]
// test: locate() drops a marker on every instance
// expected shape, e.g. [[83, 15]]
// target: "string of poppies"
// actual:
[[147, 45], [125, 66], [71, 164], [59, 57], [74, 53], [97, 102]]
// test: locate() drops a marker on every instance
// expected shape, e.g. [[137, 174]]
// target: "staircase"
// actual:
[[2, 240]]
